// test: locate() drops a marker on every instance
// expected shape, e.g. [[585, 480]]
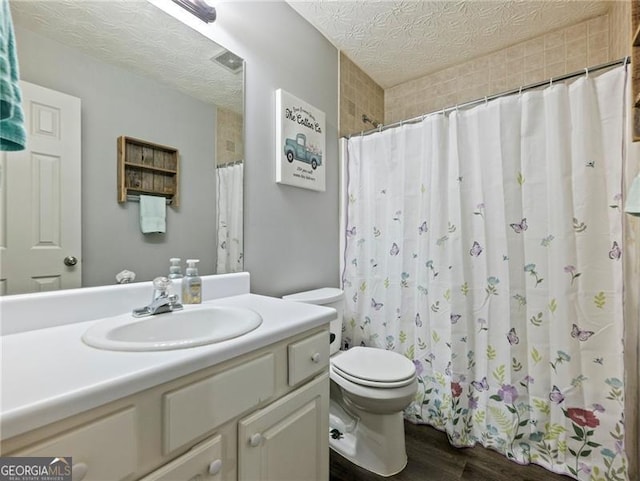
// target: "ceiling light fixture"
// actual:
[[199, 8]]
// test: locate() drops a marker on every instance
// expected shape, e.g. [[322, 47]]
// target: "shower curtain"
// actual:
[[229, 218], [486, 245]]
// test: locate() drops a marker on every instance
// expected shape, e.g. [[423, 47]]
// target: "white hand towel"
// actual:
[[153, 214]]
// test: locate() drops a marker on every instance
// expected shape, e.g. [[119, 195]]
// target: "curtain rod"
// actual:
[[381, 127]]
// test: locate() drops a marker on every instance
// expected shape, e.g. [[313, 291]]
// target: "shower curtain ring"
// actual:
[[586, 72], [486, 101], [551, 82], [520, 92]]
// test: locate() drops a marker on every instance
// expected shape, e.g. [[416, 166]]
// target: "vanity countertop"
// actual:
[[50, 374]]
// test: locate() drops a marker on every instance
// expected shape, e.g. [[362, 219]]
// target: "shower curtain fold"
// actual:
[[485, 245], [229, 218]]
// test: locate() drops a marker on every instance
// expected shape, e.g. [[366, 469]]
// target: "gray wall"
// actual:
[[291, 234], [116, 102]]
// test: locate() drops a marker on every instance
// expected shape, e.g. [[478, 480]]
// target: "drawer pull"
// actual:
[[316, 357], [255, 440], [215, 467], [79, 471]]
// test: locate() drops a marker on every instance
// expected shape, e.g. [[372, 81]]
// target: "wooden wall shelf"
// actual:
[[147, 168]]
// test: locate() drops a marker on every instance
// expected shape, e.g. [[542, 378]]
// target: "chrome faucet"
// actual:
[[161, 301]]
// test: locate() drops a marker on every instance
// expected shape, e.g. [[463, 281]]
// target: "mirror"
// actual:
[[140, 73]]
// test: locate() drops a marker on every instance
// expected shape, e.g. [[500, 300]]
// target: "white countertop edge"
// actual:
[[118, 383]]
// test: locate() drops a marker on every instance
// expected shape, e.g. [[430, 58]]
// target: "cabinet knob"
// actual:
[[215, 467], [79, 471], [255, 440], [316, 357]]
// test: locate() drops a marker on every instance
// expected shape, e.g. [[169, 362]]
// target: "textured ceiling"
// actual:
[[394, 41], [140, 37]]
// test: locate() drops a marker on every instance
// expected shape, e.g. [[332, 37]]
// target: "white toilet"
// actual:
[[369, 389]]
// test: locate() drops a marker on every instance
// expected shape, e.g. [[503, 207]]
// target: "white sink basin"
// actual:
[[193, 326]]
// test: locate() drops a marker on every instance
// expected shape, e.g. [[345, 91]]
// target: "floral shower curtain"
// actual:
[[485, 245], [229, 218]]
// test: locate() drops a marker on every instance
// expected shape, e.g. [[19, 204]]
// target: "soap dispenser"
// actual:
[[192, 284], [175, 273]]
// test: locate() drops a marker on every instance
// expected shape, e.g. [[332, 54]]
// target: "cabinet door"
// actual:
[[289, 439]]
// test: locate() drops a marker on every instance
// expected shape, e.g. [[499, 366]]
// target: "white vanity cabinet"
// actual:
[[262, 415]]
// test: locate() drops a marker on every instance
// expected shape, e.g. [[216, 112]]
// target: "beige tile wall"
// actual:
[[229, 143], [620, 28], [556, 53], [359, 95]]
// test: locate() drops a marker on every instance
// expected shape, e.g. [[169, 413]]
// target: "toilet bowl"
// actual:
[[370, 387]]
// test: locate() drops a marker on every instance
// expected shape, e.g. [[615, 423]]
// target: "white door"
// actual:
[[40, 197], [289, 439]]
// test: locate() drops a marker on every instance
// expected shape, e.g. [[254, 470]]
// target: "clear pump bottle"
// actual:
[[175, 271], [175, 274], [192, 284]]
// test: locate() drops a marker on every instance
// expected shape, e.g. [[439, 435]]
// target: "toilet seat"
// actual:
[[374, 367]]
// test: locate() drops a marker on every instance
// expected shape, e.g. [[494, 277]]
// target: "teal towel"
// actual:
[[12, 132], [153, 214]]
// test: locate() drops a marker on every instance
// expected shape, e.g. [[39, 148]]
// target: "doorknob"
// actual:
[[70, 261]]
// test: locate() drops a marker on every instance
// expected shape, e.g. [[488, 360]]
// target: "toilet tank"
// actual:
[[329, 297]]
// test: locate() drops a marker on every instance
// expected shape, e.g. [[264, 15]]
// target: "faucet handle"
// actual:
[[161, 286]]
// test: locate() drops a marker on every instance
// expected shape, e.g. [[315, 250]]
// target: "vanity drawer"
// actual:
[[198, 408], [104, 449], [203, 461], [308, 357]]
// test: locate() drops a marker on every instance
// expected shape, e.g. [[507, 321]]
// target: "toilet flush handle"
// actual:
[[316, 357]]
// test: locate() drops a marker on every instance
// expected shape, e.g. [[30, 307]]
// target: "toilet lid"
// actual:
[[374, 367], [323, 296]]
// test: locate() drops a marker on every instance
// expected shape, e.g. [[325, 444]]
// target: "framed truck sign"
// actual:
[[300, 143]]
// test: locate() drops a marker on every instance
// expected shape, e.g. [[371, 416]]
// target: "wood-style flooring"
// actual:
[[432, 458]]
